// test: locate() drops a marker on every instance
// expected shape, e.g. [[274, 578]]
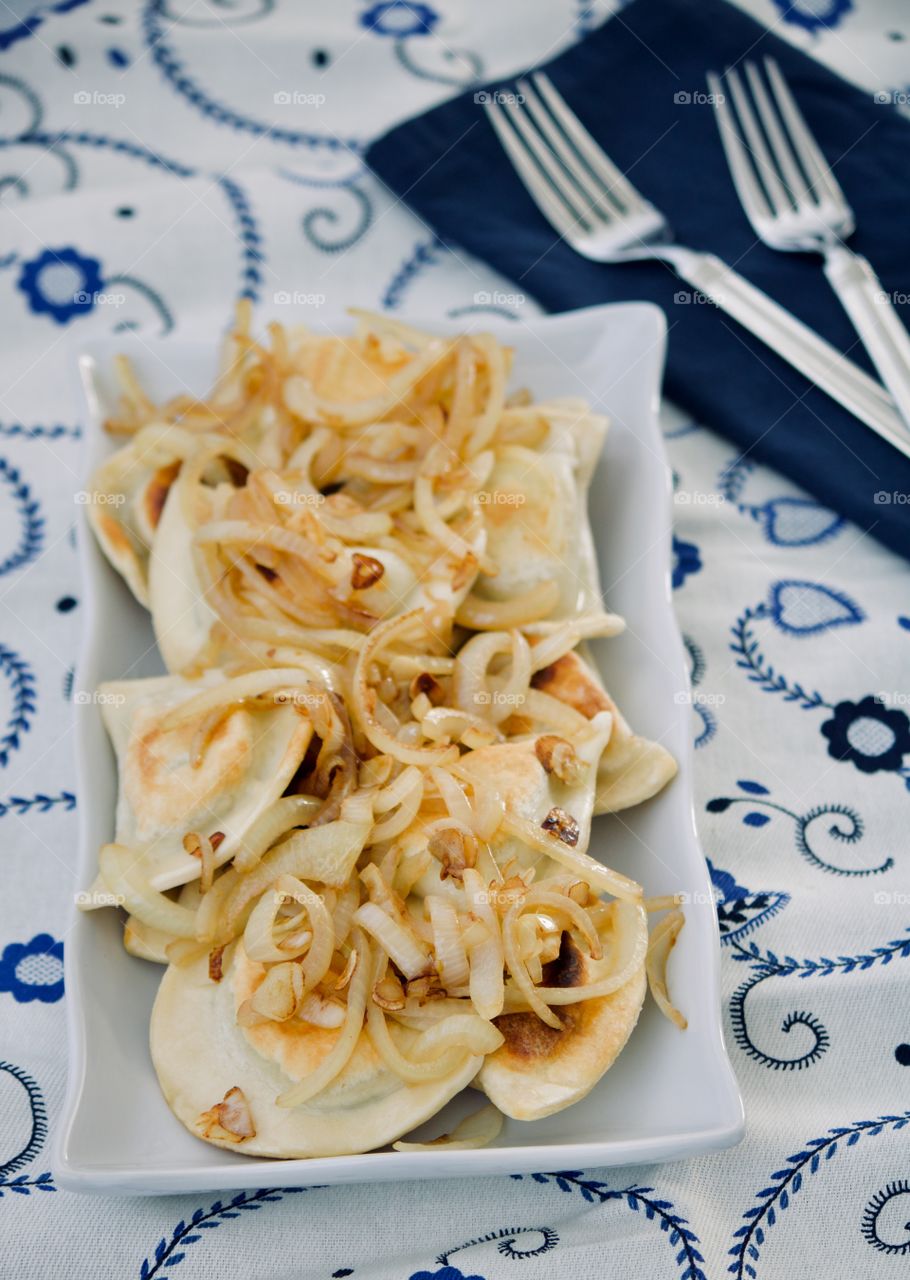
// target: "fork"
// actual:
[[596, 210], [795, 203]]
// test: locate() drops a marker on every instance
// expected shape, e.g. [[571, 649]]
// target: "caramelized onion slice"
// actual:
[[663, 939], [476, 1130]]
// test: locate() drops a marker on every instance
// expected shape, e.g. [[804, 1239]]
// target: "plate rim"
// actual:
[[131, 1179]]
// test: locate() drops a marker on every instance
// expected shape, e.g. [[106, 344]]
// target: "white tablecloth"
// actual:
[[173, 156]]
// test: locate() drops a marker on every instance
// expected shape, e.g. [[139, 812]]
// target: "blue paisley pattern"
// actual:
[[139, 162]]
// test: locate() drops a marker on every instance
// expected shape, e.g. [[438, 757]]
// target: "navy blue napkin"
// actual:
[[638, 84]]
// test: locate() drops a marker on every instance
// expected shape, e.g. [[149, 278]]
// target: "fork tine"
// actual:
[[557, 212], [564, 184], [821, 179], [750, 192], [593, 154], [595, 191], [780, 145], [775, 190]]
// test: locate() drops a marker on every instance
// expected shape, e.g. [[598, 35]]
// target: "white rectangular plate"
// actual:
[[671, 1093]]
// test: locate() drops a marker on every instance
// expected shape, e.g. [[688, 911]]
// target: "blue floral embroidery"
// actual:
[[400, 18], [808, 608], [814, 16], [33, 970], [797, 522], [31, 537], [511, 1242], [766, 965], [868, 734], [686, 561], [39, 803], [55, 432], [739, 910], [24, 696], [325, 216], [708, 725], [444, 1273], [679, 1235], [873, 1212], [849, 831], [23, 1185], [423, 255], [779, 1189], [158, 25], [33, 1140], [61, 283], [786, 521], [248, 235], [170, 1253], [707, 718]]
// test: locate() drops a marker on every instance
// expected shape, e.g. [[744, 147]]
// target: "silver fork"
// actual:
[[595, 208], [795, 203]]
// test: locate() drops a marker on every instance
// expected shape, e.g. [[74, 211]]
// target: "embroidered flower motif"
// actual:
[[444, 1273], [814, 15], [808, 608], [686, 560], [869, 734], [61, 283], [33, 970], [400, 18]]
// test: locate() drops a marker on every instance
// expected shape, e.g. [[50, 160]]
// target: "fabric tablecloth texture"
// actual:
[[157, 162]]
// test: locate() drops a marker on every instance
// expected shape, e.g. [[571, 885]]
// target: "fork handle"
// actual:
[[874, 318], [794, 341]]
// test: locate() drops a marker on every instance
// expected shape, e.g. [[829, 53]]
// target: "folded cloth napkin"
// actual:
[[638, 84]]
